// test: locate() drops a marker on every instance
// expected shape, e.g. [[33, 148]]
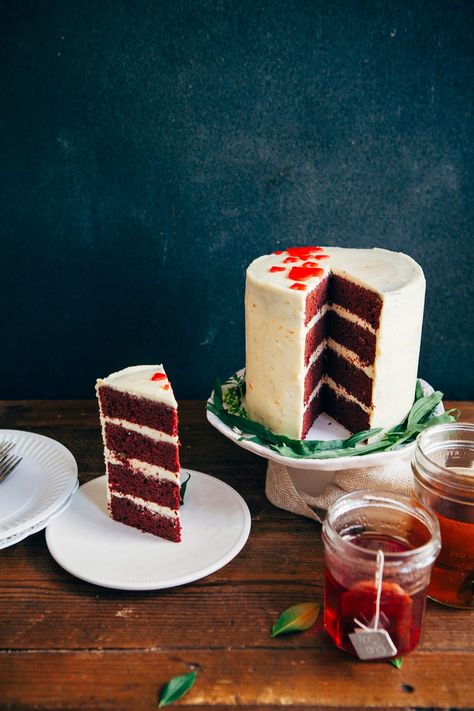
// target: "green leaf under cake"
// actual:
[[419, 418]]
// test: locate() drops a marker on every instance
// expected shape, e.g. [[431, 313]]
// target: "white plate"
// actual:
[[11, 540], [38, 487], [324, 428], [86, 542]]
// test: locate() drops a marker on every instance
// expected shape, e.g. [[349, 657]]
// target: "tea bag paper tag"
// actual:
[[372, 642]]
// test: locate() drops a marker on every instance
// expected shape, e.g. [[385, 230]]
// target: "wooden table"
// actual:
[[66, 644]]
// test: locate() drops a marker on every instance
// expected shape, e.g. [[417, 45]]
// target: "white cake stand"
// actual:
[[311, 476]]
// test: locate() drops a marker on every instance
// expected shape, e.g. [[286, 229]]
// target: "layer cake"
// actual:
[[139, 420], [332, 329]]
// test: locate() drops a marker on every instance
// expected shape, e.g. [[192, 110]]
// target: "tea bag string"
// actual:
[[378, 586]]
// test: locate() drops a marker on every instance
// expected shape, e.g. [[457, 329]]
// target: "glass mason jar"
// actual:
[[443, 466], [357, 526]]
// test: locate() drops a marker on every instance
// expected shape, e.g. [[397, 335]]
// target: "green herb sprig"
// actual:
[[183, 487], [227, 405], [234, 394]]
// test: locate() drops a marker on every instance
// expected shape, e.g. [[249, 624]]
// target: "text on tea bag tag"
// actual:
[[372, 642]]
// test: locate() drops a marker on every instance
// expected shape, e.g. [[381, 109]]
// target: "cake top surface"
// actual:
[[301, 268], [148, 381]]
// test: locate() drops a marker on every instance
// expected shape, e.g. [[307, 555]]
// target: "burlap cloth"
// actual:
[[281, 491]]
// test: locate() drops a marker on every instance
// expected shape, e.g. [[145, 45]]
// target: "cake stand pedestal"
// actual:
[[305, 484]]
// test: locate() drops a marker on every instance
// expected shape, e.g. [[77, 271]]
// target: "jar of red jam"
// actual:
[[379, 550], [443, 466]]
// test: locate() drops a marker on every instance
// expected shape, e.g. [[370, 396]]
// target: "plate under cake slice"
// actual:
[[139, 420]]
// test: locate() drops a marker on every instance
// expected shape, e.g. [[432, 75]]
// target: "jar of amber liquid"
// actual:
[[443, 466], [359, 526]]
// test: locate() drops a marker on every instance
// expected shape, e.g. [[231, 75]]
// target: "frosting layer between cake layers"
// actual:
[[139, 420], [332, 329]]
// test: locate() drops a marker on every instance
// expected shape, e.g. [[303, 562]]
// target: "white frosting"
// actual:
[[279, 281], [345, 313], [317, 317], [137, 380], [397, 351], [275, 334], [316, 353], [378, 270], [155, 508], [314, 393], [157, 435], [153, 471], [275, 346]]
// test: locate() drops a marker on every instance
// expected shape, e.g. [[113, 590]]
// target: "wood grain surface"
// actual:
[[66, 644]]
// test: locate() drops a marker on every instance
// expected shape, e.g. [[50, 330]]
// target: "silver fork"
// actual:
[[8, 460]]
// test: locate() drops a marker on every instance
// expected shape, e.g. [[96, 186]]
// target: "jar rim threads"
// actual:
[[427, 470], [371, 498]]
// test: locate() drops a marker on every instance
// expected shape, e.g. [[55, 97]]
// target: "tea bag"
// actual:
[[372, 641]]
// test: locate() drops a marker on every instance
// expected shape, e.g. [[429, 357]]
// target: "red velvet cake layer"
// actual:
[[138, 410], [134, 445], [132, 514], [314, 408], [366, 304], [135, 483], [348, 413], [313, 338], [313, 375], [316, 299], [351, 378], [352, 336]]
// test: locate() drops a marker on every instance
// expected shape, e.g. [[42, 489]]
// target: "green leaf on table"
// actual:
[[182, 489], [176, 688], [397, 662], [296, 618]]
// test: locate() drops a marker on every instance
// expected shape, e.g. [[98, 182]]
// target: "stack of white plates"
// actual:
[[40, 487]]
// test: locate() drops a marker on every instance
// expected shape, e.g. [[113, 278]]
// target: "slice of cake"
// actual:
[[139, 420], [335, 330]]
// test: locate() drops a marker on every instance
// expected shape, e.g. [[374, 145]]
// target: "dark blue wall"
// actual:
[[152, 149]]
